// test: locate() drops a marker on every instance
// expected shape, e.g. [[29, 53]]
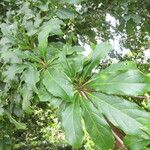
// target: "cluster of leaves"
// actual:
[[43, 131], [41, 61]]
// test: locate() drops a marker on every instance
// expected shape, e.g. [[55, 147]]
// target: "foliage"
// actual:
[[43, 131], [42, 62]]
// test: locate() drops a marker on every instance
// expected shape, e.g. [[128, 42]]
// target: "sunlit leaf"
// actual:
[[122, 113], [99, 53], [121, 82]]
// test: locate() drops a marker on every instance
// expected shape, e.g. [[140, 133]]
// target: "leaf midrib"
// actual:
[[58, 84], [95, 124], [141, 125], [120, 83]]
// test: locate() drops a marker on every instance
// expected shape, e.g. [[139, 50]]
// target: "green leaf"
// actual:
[[31, 77], [38, 20], [18, 125], [73, 1], [71, 121], [99, 53], [9, 57], [122, 113], [5, 143], [27, 55], [7, 31], [55, 102], [72, 65], [65, 13], [131, 82], [52, 27], [1, 111], [12, 70], [58, 84], [124, 65], [28, 14], [97, 127], [136, 143], [45, 96], [27, 94]]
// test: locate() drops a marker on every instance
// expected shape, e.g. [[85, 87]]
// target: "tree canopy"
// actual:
[[46, 72]]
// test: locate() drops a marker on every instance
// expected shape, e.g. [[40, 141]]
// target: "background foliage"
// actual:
[[60, 27]]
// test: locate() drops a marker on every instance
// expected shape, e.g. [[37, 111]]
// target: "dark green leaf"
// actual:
[[136, 143], [5, 143], [97, 127], [1, 111], [51, 27], [71, 121], [58, 84], [17, 124]]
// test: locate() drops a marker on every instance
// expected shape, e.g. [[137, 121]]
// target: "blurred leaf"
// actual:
[[11, 71], [31, 76], [13, 121], [137, 143], [65, 14], [26, 98]]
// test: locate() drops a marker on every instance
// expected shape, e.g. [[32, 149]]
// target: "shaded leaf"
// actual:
[[71, 121], [18, 125], [45, 96], [27, 94], [31, 77], [1, 111], [58, 84], [136, 143], [5, 143], [52, 27]]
